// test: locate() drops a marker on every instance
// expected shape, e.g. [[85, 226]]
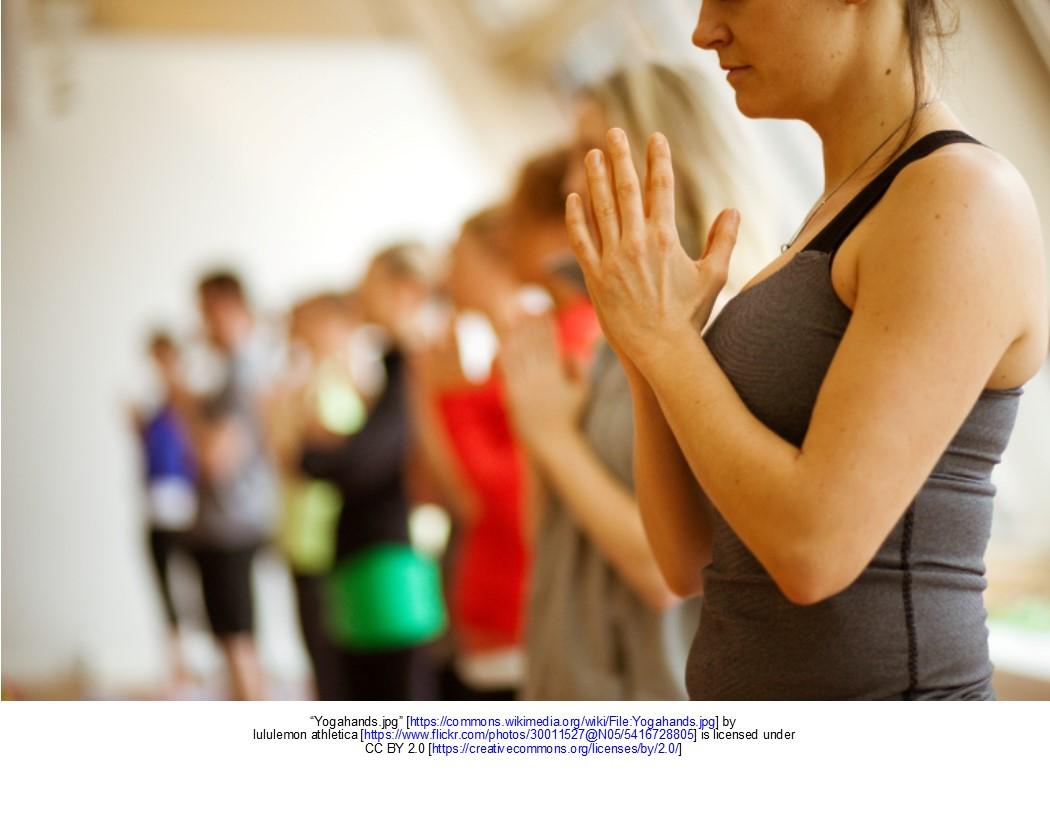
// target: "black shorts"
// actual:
[[164, 544], [226, 579]]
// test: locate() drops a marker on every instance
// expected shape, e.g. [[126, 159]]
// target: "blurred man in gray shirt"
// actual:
[[238, 495]]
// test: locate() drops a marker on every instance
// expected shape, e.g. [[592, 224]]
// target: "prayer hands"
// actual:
[[640, 279], [544, 397]]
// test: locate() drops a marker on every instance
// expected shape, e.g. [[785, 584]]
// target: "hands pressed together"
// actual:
[[644, 286], [544, 396], [437, 366]]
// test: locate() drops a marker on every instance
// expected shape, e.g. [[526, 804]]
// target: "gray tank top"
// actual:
[[912, 626]]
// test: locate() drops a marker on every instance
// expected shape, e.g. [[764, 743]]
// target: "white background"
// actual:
[[854, 763]]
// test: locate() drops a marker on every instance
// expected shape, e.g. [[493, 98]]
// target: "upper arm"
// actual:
[[939, 279], [372, 456]]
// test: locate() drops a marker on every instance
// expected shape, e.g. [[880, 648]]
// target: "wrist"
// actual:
[[549, 443], [662, 350]]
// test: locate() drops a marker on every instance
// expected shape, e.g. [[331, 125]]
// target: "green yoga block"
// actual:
[[307, 534], [386, 597]]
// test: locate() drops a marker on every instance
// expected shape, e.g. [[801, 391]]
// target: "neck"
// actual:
[[865, 112]]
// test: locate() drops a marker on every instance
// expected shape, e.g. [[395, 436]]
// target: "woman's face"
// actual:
[[321, 329], [784, 58], [476, 279], [389, 300], [465, 282]]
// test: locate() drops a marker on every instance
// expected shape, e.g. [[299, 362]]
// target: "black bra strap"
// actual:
[[831, 236]]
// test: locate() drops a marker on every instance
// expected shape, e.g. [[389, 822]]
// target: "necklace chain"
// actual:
[[849, 177]]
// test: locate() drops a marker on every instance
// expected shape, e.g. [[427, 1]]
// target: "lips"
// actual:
[[734, 72]]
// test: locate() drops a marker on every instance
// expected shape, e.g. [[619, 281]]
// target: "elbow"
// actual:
[[680, 578], [662, 598], [817, 569], [803, 591], [678, 585], [682, 587]]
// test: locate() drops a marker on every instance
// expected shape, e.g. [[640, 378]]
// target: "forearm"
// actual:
[[674, 510], [605, 510], [363, 462], [754, 477], [438, 457], [188, 409], [356, 468]]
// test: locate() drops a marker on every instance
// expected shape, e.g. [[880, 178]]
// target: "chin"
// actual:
[[747, 106], [755, 106]]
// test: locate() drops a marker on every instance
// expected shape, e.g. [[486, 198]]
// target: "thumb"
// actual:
[[721, 240]]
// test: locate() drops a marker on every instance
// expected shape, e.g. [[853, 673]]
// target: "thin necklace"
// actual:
[[809, 216]]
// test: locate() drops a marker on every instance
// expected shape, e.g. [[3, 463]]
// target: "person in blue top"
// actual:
[[170, 479]]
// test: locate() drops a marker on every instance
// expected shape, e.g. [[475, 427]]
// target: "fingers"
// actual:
[[603, 203], [576, 370], [533, 343], [721, 240], [530, 348], [628, 190], [580, 235], [659, 184], [711, 233], [543, 337], [509, 360]]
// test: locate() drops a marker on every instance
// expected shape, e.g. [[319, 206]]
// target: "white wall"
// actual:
[[292, 162], [997, 82]]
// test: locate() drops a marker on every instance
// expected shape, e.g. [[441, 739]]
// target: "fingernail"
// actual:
[[595, 159]]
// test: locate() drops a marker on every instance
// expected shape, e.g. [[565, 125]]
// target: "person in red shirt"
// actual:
[[489, 569], [489, 469]]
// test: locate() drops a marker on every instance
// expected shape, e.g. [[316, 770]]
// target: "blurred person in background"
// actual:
[[603, 622], [382, 601], [499, 249], [170, 475], [819, 462], [317, 388], [489, 564], [238, 497], [537, 246]]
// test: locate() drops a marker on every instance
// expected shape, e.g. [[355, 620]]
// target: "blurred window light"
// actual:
[[1036, 16], [429, 527]]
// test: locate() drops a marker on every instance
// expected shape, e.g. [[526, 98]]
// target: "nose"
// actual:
[[710, 31]]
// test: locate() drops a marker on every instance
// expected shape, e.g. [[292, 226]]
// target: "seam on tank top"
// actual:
[[909, 605]]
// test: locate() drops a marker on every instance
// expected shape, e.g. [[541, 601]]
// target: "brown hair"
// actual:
[[489, 228], [928, 22], [404, 261], [538, 193], [331, 303], [222, 284], [160, 340]]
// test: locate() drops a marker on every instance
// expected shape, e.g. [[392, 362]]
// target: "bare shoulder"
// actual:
[[965, 191], [969, 223]]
